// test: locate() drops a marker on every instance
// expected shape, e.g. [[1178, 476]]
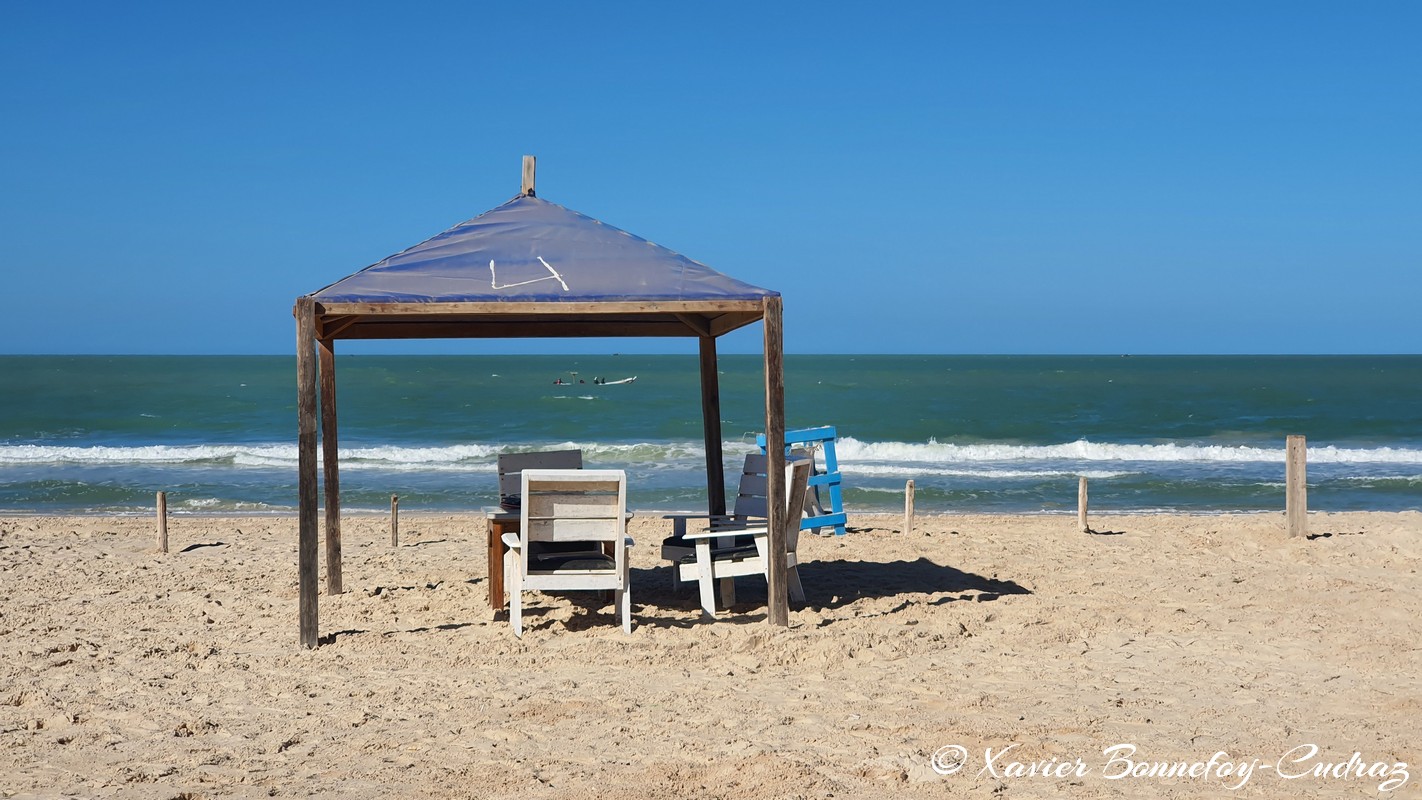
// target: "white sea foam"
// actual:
[[866, 458], [851, 450], [1385, 479], [254, 455], [146, 454], [457, 458], [914, 469], [202, 502]]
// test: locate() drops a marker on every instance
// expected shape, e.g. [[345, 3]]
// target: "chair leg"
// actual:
[[511, 566], [624, 606], [728, 592], [513, 580], [624, 597], [678, 530], [797, 592], [704, 578]]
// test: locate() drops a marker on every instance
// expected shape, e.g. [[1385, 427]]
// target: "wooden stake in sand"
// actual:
[[1081, 505], [1296, 486], [394, 520], [908, 507], [162, 522]]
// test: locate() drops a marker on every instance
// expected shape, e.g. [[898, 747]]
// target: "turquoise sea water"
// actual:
[[975, 433]]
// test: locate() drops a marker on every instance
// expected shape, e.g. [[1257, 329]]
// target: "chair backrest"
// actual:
[[751, 492], [573, 505], [512, 465]]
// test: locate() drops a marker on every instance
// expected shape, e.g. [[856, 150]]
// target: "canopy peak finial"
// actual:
[[528, 169]]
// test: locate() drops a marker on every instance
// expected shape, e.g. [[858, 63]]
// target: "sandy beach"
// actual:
[[125, 673]]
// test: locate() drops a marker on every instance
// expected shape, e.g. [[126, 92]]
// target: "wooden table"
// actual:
[[499, 521]]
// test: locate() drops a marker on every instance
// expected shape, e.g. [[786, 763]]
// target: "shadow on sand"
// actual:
[[833, 584], [1326, 535]]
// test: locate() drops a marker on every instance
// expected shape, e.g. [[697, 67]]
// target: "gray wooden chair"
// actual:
[[716, 560], [511, 465], [748, 508]]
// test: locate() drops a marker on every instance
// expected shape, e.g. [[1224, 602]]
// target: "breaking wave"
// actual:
[[932, 452], [886, 458]]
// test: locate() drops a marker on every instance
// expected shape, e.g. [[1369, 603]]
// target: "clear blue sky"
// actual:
[[1015, 177]]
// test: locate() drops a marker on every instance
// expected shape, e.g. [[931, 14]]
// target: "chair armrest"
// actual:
[[708, 534], [679, 521], [713, 517], [512, 540]]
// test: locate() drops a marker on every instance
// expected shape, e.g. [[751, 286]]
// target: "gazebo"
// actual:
[[528, 268]]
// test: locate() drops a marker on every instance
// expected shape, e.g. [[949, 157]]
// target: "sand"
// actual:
[[125, 673]]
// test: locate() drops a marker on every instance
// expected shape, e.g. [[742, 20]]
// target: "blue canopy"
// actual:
[[531, 250]]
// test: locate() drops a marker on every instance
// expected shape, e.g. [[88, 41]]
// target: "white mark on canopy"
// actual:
[[552, 276]]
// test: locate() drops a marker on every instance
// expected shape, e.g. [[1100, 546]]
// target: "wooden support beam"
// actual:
[[307, 524], [1296, 485], [162, 508], [529, 168], [556, 308], [331, 327], [725, 323], [698, 325], [330, 463], [711, 426], [499, 329], [778, 610]]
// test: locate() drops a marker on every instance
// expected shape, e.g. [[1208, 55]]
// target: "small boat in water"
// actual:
[[614, 383]]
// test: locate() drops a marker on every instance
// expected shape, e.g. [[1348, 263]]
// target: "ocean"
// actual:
[[102, 434]]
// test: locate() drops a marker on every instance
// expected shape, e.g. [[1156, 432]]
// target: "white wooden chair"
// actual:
[[582, 510], [715, 561]]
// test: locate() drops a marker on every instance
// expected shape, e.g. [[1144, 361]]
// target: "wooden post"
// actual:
[[394, 520], [908, 507], [1081, 505], [307, 525], [162, 522], [777, 578], [711, 415], [529, 163], [330, 463], [1296, 486]]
